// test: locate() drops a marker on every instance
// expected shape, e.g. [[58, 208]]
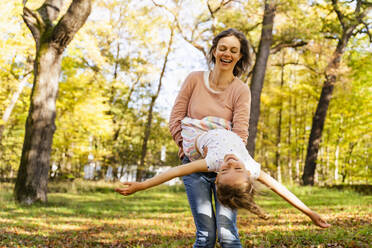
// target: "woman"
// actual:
[[221, 94]]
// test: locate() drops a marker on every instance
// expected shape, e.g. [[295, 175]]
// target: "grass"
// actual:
[[90, 214]]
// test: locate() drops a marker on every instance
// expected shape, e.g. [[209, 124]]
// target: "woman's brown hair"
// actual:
[[244, 61]]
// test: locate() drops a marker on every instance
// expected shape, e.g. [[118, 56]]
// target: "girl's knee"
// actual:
[[205, 239], [228, 233], [228, 238]]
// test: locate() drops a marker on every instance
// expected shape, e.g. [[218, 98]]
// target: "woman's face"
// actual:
[[227, 53]]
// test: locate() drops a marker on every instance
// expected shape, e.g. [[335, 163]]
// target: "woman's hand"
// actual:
[[317, 220], [130, 188]]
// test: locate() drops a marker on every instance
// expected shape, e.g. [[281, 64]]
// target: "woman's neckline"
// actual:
[[207, 84]]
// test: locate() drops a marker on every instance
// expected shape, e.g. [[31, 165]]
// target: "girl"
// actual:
[[225, 153]]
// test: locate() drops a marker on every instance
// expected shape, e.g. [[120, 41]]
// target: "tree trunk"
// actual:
[[329, 180], [321, 169], [297, 170], [289, 141], [290, 172], [296, 141], [32, 179], [125, 108], [31, 184], [316, 132], [348, 24], [279, 127], [348, 161], [259, 70], [321, 113], [337, 154], [141, 166]]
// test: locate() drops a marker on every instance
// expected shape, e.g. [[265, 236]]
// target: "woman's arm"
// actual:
[[179, 110], [242, 107], [291, 198], [178, 171]]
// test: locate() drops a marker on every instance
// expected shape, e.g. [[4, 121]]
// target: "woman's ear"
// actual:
[[216, 181], [214, 53]]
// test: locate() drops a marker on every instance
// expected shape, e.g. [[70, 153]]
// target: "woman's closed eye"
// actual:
[[233, 50]]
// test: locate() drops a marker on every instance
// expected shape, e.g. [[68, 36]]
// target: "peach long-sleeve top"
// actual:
[[197, 100]]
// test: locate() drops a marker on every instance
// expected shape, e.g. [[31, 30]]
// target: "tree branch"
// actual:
[[364, 30], [180, 29], [175, 18], [35, 23], [359, 16], [297, 64], [340, 16], [330, 36], [94, 68], [178, 25], [212, 12], [223, 3], [49, 11], [165, 61], [210, 9], [70, 23], [294, 44], [125, 108], [357, 7], [368, 4]]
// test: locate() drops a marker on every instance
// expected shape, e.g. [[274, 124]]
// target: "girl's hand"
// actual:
[[130, 188], [317, 220], [205, 151]]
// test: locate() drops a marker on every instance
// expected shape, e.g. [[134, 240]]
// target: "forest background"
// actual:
[[122, 71]]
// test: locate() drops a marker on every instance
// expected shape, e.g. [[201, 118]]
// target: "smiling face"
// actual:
[[227, 53], [232, 171]]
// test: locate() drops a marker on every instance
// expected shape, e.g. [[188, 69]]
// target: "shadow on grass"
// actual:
[[121, 237], [97, 206], [161, 218], [339, 238], [364, 189], [91, 237]]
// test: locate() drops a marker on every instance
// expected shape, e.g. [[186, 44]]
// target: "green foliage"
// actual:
[[111, 69], [349, 127], [82, 121]]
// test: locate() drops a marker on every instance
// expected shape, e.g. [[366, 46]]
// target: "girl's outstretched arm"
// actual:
[[178, 171], [291, 198]]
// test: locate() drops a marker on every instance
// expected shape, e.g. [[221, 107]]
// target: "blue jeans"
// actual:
[[199, 189]]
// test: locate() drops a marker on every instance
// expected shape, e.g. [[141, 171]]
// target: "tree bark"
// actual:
[[32, 178], [141, 166], [279, 127], [259, 70], [348, 27], [289, 136]]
